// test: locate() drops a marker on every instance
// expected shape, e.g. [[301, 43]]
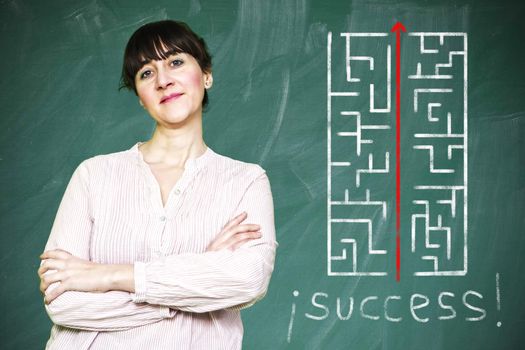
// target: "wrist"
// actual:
[[120, 277]]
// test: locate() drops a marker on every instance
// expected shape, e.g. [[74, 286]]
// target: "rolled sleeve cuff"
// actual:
[[166, 312], [140, 283]]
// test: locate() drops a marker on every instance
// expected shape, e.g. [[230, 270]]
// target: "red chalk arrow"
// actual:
[[398, 27]]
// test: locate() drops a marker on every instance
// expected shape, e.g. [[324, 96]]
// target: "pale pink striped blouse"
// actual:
[[185, 298]]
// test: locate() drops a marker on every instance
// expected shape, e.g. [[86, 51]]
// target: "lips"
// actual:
[[170, 97]]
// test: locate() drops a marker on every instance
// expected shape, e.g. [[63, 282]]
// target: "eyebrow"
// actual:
[[164, 55]]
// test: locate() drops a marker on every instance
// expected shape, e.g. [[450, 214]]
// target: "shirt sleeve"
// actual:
[[71, 232], [216, 280]]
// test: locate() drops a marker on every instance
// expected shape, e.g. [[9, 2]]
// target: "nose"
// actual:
[[163, 79]]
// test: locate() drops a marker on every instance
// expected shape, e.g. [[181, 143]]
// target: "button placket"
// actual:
[[162, 215], [163, 221]]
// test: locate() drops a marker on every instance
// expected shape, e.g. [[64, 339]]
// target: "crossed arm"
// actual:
[[76, 274], [233, 272]]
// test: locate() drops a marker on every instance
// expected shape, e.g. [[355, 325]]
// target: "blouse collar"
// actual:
[[191, 163]]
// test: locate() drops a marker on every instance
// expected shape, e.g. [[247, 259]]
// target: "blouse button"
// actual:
[[163, 218], [177, 191]]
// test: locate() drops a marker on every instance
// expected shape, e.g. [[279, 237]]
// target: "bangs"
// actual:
[[144, 49], [158, 50]]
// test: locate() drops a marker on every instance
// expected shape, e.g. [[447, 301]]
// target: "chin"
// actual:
[[174, 120], [175, 116]]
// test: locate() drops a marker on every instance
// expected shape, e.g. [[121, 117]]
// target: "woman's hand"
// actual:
[[73, 273], [233, 234]]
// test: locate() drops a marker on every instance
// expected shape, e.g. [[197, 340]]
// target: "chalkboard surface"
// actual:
[[309, 90]]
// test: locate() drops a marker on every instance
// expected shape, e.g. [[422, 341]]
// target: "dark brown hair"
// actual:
[[158, 40]]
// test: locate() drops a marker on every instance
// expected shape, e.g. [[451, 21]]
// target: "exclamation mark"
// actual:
[[292, 316], [498, 298]]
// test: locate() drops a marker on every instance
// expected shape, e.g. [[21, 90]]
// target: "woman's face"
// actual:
[[172, 90]]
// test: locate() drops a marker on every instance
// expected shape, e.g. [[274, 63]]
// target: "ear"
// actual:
[[208, 80]]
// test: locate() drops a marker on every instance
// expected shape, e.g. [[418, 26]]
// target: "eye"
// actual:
[[176, 62], [145, 74]]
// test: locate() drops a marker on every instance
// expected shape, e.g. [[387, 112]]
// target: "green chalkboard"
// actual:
[[307, 89]]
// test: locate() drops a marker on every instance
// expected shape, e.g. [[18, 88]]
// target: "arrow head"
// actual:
[[398, 27]]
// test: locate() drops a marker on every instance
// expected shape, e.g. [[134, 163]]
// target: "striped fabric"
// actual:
[[185, 298]]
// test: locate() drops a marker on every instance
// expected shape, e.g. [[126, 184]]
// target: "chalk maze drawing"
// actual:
[[361, 153]]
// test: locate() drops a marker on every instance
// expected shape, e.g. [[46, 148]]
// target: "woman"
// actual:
[[150, 248]]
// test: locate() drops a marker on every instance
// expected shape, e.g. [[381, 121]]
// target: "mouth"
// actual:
[[170, 97]]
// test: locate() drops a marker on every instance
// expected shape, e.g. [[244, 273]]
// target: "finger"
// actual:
[[232, 242], [239, 229], [50, 264], [255, 235], [229, 229], [235, 221], [44, 267], [241, 237], [40, 271], [55, 293], [49, 279], [245, 228], [224, 237], [55, 254]]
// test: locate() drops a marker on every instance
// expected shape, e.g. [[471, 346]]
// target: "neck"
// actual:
[[174, 145]]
